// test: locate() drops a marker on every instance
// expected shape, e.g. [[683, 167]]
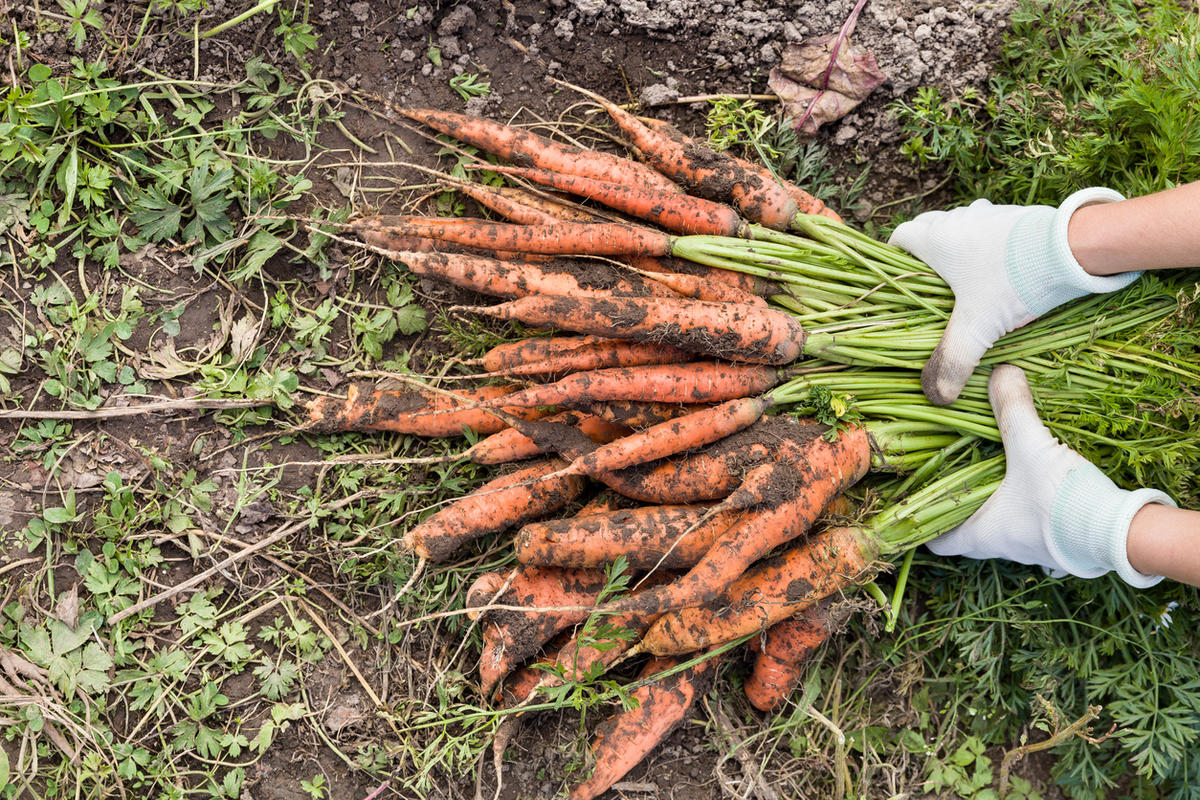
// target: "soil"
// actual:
[[652, 51]]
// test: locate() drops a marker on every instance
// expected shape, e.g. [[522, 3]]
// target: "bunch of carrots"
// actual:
[[691, 299]]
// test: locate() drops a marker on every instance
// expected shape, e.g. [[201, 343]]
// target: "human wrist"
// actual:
[[1089, 527], [1042, 264], [1165, 540]]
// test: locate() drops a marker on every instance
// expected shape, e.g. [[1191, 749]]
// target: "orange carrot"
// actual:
[[509, 637], [556, 209], [781, 652], [523, 147], [386, 242], [696, 382], [674, 436], [515, 279], [772, 590], [638, 415], [648, 537], [581, 238], [419, 413], [624, 740], [750, 284], [553, 354], [806, 203], [703, 171], [827, 469], [512, 445], [509, 500], [675, 211], [703, 288], [506, 203], [713, 472], [725, 330]]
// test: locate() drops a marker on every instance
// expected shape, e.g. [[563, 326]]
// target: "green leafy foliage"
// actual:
[[1090, 93]]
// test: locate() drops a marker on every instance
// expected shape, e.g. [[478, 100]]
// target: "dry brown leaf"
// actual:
[[798, 80], [66, 610]]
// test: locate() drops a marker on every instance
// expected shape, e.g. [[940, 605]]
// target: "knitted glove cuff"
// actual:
[[1089, 525], [1041, 267]]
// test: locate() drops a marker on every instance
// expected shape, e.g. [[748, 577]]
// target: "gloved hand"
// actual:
[[1007, 265], [1053, 508]]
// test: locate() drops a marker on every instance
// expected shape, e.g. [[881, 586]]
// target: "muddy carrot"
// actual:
[[675, 211], [781, 653], [750, 284], [638, 415], [582, 238], [714, 472], [510, 444], [625, 739], [674, 436], [648, 537], [731, 331], [510, 637], [554, 354], [827, 562], [506, 501], [806, 203], [771, 591], [418, 413], [515, 279], [828, 468], [506, 203], [522, 147], [703, 171], [386, 243], [555, 209], [703, 288], [695, 382]]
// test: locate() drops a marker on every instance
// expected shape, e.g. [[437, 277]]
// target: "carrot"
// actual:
[[552, 354], [771, 591], [512, 445], [702, 288], [507, 203], [386, 242], [725, 330], [523, 147], [674, 436], [806, 203], [827, 469], [638, 415], [648, 537], [555, 209], [509, 637], [696, 382], [712, 473], [599, 238], [781, 651], [418, 413], [750, 284], [675, 211], [516, 279], [625, 739], [509, 500], [703, 171]]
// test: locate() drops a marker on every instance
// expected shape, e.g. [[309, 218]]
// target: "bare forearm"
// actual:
[[1165, 541], [1158, 231]]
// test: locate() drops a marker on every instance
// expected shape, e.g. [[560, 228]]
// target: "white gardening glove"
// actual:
[[1053, 508], [1007, 265]]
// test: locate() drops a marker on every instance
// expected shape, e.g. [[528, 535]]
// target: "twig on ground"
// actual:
[[241, 555], [1060, 734], [193, 404]]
